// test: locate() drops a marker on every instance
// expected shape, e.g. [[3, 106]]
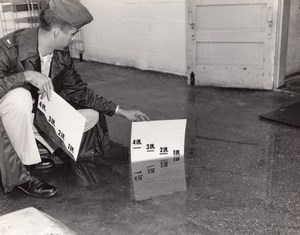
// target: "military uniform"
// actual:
[[19, 53]]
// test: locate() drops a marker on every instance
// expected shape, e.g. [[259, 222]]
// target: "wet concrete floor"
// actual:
[[239, 175]]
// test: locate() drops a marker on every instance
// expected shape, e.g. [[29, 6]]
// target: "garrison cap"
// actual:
[[71, 11]]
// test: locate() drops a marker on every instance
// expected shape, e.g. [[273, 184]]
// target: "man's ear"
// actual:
[[56, 32]]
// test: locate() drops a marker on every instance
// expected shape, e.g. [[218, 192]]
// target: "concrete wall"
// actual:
[[293, 52], [147, 34]]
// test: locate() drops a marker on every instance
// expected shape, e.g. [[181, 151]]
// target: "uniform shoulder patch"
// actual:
[[8, 41]]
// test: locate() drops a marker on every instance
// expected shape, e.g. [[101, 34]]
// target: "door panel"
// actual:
[[232, 43], [229, 16], [227, 54]]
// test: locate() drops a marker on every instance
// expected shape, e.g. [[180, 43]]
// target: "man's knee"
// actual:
[[92, 117], [18, 100]]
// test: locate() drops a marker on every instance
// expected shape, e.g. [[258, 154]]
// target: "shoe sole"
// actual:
[[40, 195], [44, 168]]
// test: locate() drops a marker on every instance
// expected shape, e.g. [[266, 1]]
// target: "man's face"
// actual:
[[65, 37]]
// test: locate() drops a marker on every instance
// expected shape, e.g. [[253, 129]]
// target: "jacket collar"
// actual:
[[28, 44], [28, 50], [56, 65]]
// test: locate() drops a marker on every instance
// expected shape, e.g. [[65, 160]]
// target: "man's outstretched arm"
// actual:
[[132, 115]]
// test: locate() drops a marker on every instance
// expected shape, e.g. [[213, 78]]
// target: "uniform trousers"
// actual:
[[17, 118]]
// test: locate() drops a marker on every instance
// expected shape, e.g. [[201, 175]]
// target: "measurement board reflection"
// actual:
[[157, 177]]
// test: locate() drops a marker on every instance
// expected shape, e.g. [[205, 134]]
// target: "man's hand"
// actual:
[[42, 82], [132, 115]]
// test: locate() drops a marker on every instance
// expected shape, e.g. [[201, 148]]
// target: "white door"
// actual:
[[231, 43]]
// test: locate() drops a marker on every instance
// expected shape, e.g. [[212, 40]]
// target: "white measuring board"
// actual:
[[157, 139], [61, 122]]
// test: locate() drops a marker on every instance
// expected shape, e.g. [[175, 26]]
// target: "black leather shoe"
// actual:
[[38, 188], [46, 162]]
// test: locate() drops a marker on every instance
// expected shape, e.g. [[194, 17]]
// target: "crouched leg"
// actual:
[[15, 126], [92, 148]]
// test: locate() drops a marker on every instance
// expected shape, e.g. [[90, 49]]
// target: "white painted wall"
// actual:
[[146, 34], [150, 34]]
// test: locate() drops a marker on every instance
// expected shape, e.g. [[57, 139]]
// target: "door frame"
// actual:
[[280, 42]]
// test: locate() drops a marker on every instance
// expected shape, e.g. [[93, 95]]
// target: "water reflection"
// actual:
[[157, 177]]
